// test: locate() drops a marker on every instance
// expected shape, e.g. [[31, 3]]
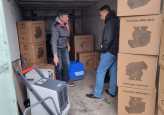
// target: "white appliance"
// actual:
[[44, 87]]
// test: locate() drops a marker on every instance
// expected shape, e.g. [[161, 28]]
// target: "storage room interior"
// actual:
[[85, 23], [84, 19], [84, 16]]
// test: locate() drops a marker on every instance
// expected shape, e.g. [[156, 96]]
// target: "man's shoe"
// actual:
[[107, 91], [71, 84], [91, 96]]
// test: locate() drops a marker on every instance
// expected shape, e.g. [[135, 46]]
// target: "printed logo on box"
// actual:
[[136, 105], [135, 70], [38, 32], [161, 106], [141, 37], [40, 52], [133, 4]]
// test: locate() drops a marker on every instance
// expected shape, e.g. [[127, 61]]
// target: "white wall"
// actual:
[[91, 20], [12, 16]]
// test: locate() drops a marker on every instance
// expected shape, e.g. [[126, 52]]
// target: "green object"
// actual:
[[8, 103], [108, 101]]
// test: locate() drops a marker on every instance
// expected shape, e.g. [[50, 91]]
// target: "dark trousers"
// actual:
[[62, 70]]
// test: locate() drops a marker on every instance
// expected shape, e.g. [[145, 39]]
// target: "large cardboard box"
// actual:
[[161, 57], [140, 35], [161, 80], [83, 43], [136, 102], [33, 53], [137, 71], [89, 59], [161, 103], [31, 31], [138, 7]]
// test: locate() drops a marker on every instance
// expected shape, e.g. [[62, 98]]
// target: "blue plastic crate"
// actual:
[[76, 71]]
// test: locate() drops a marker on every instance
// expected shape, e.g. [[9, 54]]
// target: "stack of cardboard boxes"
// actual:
[[138, 56], [84, 51], [32, 41], [161, 93], [33, 51], [161, 71]]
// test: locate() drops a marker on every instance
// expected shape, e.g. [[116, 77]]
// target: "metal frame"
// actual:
[[40, 103]]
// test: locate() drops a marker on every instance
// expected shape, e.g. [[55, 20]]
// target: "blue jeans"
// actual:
[[107, 62], [62, 70]]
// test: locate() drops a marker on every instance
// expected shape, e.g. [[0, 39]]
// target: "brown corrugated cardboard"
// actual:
[[138, 7], [31, 31], [161, 103], [46, 66], [137, 71], [89, 59], [83, 43], [136, 102], [33, 53], [161, 57], [140, 35], [161, 80]]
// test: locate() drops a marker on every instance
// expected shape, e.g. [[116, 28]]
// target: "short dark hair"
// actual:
[[105, 7]]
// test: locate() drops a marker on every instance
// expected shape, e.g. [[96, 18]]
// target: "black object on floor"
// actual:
[[27, 103], [91, 96], [107, 91]]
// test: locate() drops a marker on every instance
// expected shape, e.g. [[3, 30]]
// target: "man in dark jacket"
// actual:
[[108, 49]]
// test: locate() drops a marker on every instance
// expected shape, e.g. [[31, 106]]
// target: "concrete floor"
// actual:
[[81, 105]]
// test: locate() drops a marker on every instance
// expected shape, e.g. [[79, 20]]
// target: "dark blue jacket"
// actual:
[[109, 41]]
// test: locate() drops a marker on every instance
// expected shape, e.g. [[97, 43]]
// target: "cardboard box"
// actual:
[[83, 43], [161, 93], [34, 53], [31, 31], [48, 67], [89, 59], [140, 35], [136, 102], [161, 57], [161, 80], [138, 7], [137, 71], [161, 103]]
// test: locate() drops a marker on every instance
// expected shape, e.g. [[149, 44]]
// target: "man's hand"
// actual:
[[69, 48], [56, 60]]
